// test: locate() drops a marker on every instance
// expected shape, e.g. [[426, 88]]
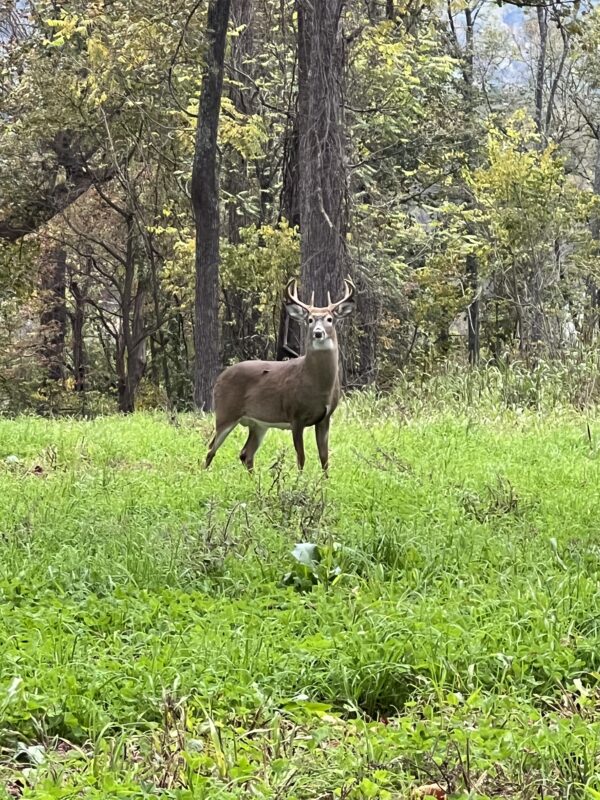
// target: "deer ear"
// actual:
[[296, 312], [344, 309]]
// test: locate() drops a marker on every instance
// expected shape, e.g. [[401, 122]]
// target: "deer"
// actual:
[[291, 395]]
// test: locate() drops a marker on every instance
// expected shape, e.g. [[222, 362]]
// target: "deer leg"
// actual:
[[297, 433], [221, 433], [253, 442], [322, 433]]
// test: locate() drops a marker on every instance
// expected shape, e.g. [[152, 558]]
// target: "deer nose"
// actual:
[[318, 334]]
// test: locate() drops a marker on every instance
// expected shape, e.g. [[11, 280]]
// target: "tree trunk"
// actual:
[[53, 318], [131, 355], [205, 201], [473, 309], [591, 327], [289, 337], [126, 402], [236, 333], [322, 169], [368, 325], [77, 323], [290, 202], [542, 15], [472, 262]]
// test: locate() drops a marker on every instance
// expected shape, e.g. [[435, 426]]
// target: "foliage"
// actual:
[[455, 157], [510, 186], [536, 223]]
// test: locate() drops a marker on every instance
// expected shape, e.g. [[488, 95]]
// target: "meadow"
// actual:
[[162, 635]]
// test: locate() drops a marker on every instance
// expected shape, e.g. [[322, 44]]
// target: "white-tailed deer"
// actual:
[[294, 394]]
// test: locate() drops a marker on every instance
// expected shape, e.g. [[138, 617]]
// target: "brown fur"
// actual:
[[293, 394], [279, 391]]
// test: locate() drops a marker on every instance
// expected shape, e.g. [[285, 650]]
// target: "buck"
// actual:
[[292, 395]]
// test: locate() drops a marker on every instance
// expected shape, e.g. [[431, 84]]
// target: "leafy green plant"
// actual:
[[312, 565]]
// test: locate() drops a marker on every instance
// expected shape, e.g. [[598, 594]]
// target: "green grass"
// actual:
[[450, 633]]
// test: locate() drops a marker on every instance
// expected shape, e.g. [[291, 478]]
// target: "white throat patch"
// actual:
[[322, 344]]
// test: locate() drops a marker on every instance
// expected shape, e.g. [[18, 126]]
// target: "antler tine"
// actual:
[[288, 289], [350, 290], [328, 298], [293, 297], [312, 299]]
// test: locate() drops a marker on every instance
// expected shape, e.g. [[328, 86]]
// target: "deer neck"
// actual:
[[322, 366]]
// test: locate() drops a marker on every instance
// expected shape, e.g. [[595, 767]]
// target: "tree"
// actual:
[[53, 319], [361, 124], [528, 203], [322, 169], [205, 201], [467, 55]]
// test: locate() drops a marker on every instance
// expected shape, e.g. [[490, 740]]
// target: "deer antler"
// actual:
[[350, 291], [293, 297]]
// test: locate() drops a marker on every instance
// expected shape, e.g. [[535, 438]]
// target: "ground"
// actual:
[[160, 639]]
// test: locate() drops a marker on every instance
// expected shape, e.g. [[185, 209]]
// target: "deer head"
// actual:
[[320, 321]]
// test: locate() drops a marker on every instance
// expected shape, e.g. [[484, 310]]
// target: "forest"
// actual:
[[190, 185], [166, 168]]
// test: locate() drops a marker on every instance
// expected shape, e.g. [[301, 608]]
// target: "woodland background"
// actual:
[[447, 156]]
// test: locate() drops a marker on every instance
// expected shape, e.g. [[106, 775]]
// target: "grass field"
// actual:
[[159, 639]]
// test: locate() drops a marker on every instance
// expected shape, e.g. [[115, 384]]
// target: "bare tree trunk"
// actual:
[[368, 325], [290, 201], [289, 337], [161, 336], [53, 318], [473, 326], [77, 323], [542, 16], [591, 327], [595, 221], [322, 169], [205, 201], [469, 94], [236, 332], [131, 343], [131, 354], [179, 356], [472, 262]]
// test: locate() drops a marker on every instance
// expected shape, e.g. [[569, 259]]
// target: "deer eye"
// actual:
[[329, 319], [311, 320]]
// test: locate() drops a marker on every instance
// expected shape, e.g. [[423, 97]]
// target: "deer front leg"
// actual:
[[253, 442], [322, 433], [298, 433]]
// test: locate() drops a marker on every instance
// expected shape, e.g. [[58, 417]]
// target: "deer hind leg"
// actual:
[[298, 434], [322, 433], [221, 433], [253, 442]]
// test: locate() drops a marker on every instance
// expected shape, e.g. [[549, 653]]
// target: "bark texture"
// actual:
[[77, 327], [322, 168], [542, 17], [53, 318], [289, 335], [205, 200], [593, 316], [472, 262]]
